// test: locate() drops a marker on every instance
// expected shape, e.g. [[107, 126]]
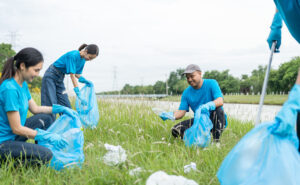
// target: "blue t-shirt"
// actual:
[[193, 98], [13, 97], [290, 13], [70, 62]]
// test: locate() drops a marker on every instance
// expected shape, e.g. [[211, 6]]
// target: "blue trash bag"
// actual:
[[89, 114], [199, 133], [71, 130], [268, 153]]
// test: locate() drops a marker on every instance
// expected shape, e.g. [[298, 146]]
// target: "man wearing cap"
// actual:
[[202, 93]]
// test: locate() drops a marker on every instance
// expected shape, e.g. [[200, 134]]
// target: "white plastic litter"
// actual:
[[161, 178], [115, 155], [189, 167], [135, 171]]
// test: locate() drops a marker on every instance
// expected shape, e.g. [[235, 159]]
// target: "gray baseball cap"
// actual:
[[191, 68]]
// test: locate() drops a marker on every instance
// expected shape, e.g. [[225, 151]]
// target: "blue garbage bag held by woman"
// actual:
[[268, 153], [89, 114], [70, 128], [199, 133]]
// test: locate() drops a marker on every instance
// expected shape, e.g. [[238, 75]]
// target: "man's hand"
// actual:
[[208, 106], [167, 115]]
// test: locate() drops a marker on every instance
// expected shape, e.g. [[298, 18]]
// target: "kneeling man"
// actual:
[[202, 93]]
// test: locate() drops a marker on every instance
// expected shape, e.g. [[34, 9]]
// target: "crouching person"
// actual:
[[203, 93], [15, 101]]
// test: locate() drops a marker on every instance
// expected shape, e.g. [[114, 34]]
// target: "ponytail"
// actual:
[[9, 70], [91, 49], [28, 56], [82, 47]]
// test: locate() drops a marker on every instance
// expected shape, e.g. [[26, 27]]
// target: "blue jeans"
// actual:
[[28, 152], [53, 88]]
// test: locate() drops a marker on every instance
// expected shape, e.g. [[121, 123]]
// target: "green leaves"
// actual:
[[6, 51]]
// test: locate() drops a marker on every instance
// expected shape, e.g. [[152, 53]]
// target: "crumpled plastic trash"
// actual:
[[161, 178], [189, 167], [135, 171], [115, 155]]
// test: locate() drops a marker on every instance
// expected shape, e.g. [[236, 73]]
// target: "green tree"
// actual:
[[127, 89], [6, 51], [284, 78], [227, 82], [173, 79], [257, 78], [245, 84], [159, 87]]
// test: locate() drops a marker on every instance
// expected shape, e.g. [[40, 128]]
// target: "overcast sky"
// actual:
[[147, 39]]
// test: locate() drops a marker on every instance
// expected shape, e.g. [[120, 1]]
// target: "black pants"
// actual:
[[298, 129], [28, 153], [217, 117]]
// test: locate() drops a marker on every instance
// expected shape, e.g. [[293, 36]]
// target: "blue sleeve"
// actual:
[[215, 89], [11, 100], [71, 64], [290, 12], [184, 104]]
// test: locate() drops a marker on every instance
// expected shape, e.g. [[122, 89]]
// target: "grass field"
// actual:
[[247, 99], [148, 143]]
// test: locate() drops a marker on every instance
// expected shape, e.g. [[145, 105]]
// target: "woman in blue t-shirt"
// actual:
[[15, 101], [53, 88]]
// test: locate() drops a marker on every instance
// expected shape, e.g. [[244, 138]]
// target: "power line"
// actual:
[[13, 36]]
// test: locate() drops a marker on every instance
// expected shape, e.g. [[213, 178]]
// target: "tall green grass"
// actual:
[[148, 143]]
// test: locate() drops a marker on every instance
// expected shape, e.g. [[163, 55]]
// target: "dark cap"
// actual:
[[191, 68]]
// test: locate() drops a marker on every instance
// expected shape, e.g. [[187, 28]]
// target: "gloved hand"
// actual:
[[62, 109], [83, 101], [208, 106], [275, 33], [54, 139], [81, 79], [167, 115]]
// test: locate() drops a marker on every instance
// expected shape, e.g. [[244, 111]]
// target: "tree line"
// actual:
[[281, 80]]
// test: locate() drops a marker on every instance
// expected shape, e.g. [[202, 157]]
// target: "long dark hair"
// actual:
[[91, 49], [28, 56]]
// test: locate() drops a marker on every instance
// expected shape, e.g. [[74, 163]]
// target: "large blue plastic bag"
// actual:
[[199, 133], [89, 114], [71, 130], [268, 153]]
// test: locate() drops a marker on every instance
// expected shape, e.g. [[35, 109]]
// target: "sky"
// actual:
[[144, 40]]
